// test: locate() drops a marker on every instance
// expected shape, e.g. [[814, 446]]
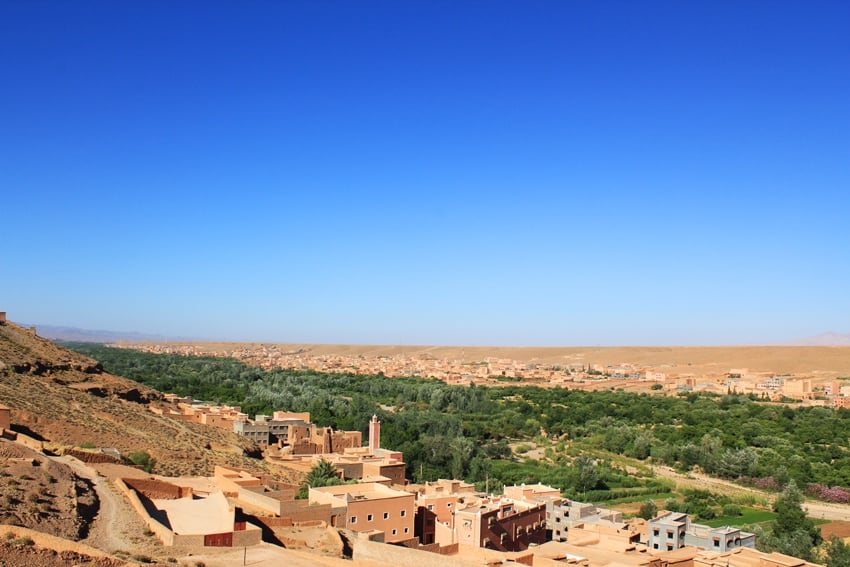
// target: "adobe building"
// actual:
[[374, 434], [501, 523], [178, 518], [371, 507], [296, 435], [2, 317], [436, 503], [5, 418]]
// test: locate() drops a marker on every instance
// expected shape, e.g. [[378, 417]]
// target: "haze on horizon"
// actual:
[[489, 173]]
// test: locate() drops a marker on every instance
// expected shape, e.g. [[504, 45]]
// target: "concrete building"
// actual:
[[563, 514], [371, 507], [256, 431], [501, 523], [674, 530], [667, 531], [719, 539]]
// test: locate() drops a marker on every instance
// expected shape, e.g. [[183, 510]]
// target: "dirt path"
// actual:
[[111, 520], [814, 508]]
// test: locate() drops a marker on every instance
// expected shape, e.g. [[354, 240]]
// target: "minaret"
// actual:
[[374, 434]]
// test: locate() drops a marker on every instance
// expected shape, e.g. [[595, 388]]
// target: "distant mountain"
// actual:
[[826, 339], [56, 333]]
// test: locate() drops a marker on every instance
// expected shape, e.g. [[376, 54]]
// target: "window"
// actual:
[[395, 531], [449, 505], [403, 513], [430, 507], [655, 532], [406, 530], [353, 519], [386, 515], [369, 518]]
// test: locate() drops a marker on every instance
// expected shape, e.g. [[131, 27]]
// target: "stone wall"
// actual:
[[158, 490], [302, 511], [267, 501], [91, 456], [165, 535]]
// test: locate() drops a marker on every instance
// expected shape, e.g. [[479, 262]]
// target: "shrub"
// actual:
[[731, 510], [144, 460]]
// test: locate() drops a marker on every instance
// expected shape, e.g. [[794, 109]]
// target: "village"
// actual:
[[811, 389], [382, 518]]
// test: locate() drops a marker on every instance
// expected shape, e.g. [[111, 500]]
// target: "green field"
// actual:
[[749, 516]]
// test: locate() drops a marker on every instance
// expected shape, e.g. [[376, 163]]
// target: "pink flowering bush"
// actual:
[[836, 494]]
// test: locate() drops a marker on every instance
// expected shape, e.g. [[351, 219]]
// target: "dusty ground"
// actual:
[[44, 495], [22, 554], [840, 529]]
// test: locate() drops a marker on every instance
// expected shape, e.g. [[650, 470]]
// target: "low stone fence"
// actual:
[[91, 457], [24, 440], [153, 489]]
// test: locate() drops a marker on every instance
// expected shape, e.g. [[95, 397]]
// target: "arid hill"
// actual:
[[67, 400]]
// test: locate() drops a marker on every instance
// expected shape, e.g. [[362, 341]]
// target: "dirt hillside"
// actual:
[[66, 400]]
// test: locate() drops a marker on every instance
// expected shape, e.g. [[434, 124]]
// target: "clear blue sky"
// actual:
[[428, 172]]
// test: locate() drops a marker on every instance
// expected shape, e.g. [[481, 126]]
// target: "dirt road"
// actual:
[[111, 521]]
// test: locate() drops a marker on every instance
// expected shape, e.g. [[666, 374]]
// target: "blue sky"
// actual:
[[526, 173]]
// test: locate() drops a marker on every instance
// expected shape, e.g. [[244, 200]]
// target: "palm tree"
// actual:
[[323, 473]]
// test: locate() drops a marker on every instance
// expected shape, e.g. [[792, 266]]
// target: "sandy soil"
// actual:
[[46, 496]]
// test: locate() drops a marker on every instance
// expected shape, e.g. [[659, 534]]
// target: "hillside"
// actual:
[[66, 399]]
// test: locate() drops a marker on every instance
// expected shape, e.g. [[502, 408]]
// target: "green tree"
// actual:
[[836, 553], [792, 532], [648, 510], [585, 474], [323, 473]]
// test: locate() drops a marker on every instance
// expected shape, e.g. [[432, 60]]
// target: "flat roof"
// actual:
[[211, 515]]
